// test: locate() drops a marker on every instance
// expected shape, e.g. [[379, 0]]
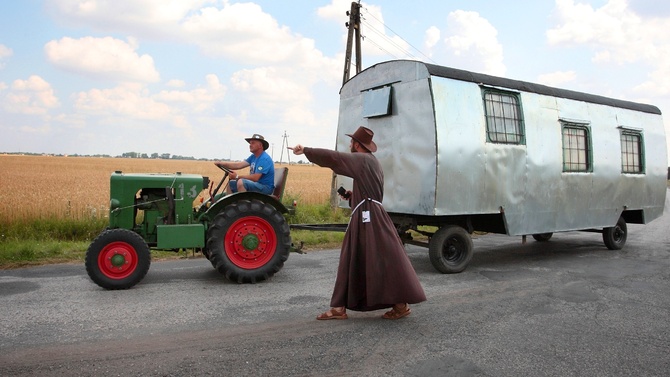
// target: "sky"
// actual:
[[196, 77]]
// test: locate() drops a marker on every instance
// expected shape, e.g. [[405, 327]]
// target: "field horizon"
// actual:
[[60, 187]]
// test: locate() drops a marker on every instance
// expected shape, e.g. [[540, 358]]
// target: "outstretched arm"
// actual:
[[297, 150]]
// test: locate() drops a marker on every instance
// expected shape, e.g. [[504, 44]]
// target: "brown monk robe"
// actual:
[[374, 271]]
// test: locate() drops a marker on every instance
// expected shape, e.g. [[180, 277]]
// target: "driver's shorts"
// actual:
[[251, 186]]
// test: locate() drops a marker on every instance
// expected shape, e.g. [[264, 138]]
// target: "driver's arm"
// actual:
[[232, 165]]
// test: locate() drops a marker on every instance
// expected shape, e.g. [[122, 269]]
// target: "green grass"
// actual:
[[317, 214], [46, 241]]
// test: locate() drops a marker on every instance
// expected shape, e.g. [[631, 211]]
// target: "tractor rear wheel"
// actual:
[[117, 259], [248, 241]]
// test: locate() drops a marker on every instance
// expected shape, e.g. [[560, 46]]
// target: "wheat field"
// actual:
[[34, 187]]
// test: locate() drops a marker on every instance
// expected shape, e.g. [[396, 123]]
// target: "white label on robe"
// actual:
[[366, 216]]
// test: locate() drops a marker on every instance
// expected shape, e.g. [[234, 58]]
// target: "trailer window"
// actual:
[[504, 122], [377, 102], [632, 159], [576, 148]]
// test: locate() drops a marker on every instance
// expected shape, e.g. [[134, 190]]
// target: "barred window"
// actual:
[[576, 148], [504, 120], [632, 159]]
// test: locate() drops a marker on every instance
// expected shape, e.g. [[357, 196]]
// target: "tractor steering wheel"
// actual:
[[216, 190], [228, 171]]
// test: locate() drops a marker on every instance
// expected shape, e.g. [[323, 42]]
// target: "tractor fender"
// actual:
[[217, 207]]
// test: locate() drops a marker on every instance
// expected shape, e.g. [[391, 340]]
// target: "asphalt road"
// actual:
[[567, 307]]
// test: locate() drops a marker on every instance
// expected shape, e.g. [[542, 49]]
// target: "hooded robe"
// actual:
[[374, 271]]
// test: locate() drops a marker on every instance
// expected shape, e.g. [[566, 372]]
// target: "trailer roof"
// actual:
[[479, 78]]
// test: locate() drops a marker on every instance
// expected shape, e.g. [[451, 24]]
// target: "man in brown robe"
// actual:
[[374, 271]]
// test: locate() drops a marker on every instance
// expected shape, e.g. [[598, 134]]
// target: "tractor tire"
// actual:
[[117, 259], [450, 249], [248, 241], [615, 237]]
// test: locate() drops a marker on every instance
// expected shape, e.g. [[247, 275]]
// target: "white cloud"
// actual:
[[133, 101], [432, 37], [175, 83], [105, 58], [616, 34], [197, 100], [277, 79], [127, 99], [5, 52], [557, 78], [272, 89], [242, 32], [470, 42], [33, 96], [147, 18], [335, 11], [376, 39]]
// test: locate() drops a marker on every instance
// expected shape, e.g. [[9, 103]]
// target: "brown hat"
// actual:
[[260, 138], [364, 136]]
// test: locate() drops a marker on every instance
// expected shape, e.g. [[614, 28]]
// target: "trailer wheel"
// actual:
[[615, 237], [117, 259], [450, 249], [248, 241], [543, 237]]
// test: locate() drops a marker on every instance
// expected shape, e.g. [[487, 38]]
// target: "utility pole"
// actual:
[[284, 147], [353, 36]]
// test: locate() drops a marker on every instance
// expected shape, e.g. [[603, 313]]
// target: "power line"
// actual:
[[383, 49], [383, 35], [389, 41]]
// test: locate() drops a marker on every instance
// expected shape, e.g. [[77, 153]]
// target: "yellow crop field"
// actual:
[[33, 187]]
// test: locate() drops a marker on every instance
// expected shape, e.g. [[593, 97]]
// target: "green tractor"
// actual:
[[244, 235]]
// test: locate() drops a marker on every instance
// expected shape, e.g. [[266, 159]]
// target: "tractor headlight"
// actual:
[[114, 204]]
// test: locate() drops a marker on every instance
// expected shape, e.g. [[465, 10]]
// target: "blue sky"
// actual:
[[195, 77]]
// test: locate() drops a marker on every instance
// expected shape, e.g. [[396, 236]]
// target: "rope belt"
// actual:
[[359, 204], [363, 201]]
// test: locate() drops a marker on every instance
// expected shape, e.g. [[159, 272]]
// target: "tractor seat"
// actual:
[[280, 182]]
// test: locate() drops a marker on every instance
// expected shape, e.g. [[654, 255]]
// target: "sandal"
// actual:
[[397, 313], [333, 314]]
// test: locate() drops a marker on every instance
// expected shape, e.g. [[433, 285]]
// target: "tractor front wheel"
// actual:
[[248, 241], [117, 259]]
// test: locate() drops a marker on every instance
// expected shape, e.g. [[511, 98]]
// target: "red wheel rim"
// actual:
[[117, 260], [250, 242]]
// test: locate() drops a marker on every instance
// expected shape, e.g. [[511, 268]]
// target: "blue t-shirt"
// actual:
[[263, 164]]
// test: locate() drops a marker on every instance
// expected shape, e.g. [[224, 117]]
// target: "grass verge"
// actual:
[[47, 241]]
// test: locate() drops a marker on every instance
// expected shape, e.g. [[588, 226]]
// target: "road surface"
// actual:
[[567, 307]]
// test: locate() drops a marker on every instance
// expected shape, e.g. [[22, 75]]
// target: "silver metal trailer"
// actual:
[[466, 152]]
